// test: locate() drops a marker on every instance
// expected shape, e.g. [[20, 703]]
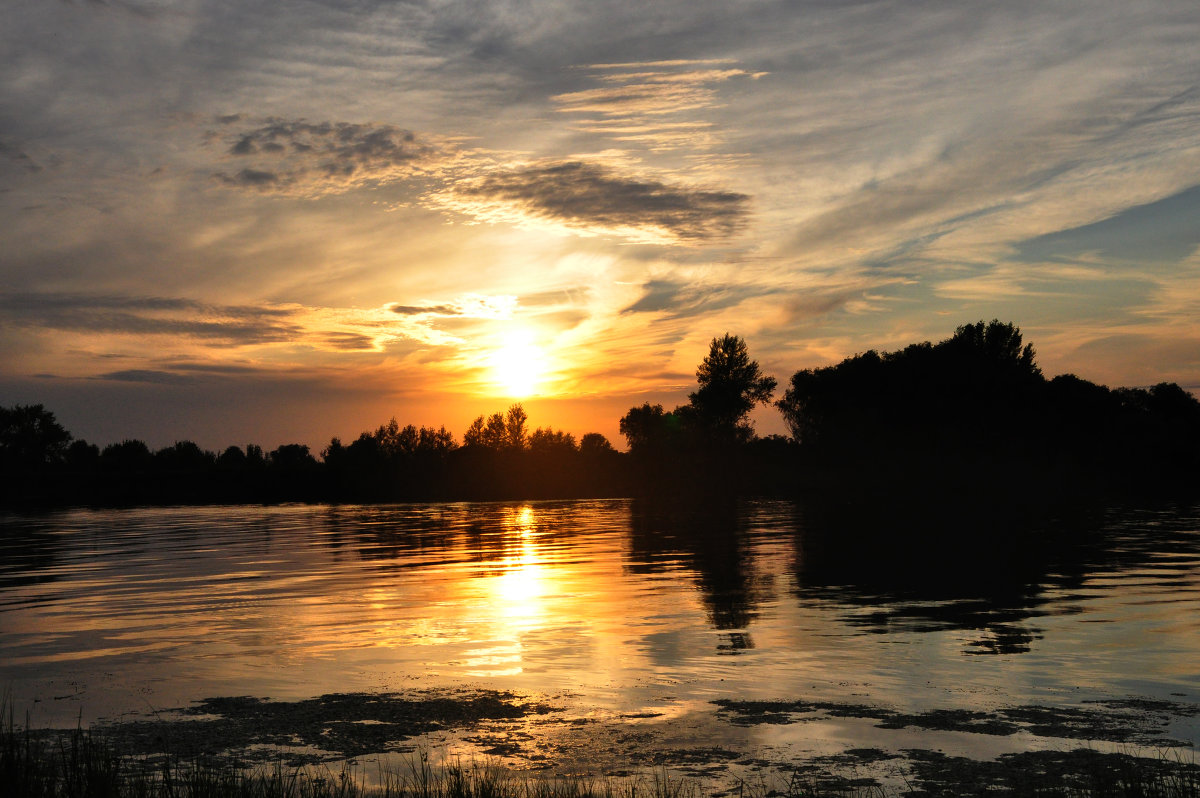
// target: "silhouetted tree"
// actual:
[[499, 430], [593, 443], [973, 412], [390, 440], [699, 448], [183, 456], [30, 437], [233, 456], [292, 456], [474, 434], [515, 436], [127, 455], [435, 441], [731, 384], [495, 434], [994, 343], [649, 428], [81, 454], [550, 441]]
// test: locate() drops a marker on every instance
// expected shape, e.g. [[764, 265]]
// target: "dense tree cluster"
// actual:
[[971, 411], [976, 407]]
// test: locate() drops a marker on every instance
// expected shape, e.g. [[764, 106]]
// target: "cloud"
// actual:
[[642, 102], [231, 324], [300, 158], [678, 299], [18, 158], [593, 199], [212, 368], [814, 304], [147, 9], [471, 306], [652, 93], [211, 325], [201, 335], [146, 375], [349, 341], [237, 325]]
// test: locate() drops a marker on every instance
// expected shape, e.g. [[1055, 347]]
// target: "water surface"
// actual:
[[611, 609]]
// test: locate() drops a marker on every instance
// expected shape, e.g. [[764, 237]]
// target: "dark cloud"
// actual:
[[348, 341], [146, 375], [469, 306], [146, 10], [688, 299], [212, 368], [228, 324], [21, 303], [593, 197], [811, 305], [426, 310], [18, 157], [250, 178], [659, 295], [299, 157]]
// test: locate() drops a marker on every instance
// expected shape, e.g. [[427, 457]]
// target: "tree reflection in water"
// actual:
[[892, 567], [981, 568]]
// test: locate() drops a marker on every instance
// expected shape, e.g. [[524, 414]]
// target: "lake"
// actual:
[[624, 622]]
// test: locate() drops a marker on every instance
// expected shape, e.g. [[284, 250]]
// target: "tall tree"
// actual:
[[516, 436], [731, 384], [995, 342], [31, 437]]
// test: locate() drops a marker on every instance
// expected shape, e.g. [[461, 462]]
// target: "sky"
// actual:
[[232, 221]]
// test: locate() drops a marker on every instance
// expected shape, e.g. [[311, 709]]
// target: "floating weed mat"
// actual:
[[85, 763], [1081, 773]]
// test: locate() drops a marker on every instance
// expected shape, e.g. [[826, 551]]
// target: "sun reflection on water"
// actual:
[[515, 594]]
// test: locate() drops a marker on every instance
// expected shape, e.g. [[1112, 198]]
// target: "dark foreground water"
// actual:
[[619, 616]]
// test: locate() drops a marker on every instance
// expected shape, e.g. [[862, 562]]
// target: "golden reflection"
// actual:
[[516, 596]]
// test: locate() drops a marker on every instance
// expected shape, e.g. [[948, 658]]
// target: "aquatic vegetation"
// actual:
[[88, 763]]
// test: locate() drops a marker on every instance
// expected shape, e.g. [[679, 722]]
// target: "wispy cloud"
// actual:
[[235, 326], [595, 199], [683, 299], [652, 103]]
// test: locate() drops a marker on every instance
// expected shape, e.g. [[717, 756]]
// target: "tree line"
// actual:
[[972, 412], [499, 457]]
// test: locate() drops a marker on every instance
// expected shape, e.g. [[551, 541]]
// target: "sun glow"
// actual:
[[519, 366]]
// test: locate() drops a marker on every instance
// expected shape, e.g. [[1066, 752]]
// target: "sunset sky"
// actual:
[[236, 221]]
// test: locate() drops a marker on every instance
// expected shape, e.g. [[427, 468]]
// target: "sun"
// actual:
[[518, 366]]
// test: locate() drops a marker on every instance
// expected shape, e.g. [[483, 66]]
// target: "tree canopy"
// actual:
[[30, 437], [730, 385], [977, 405]]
